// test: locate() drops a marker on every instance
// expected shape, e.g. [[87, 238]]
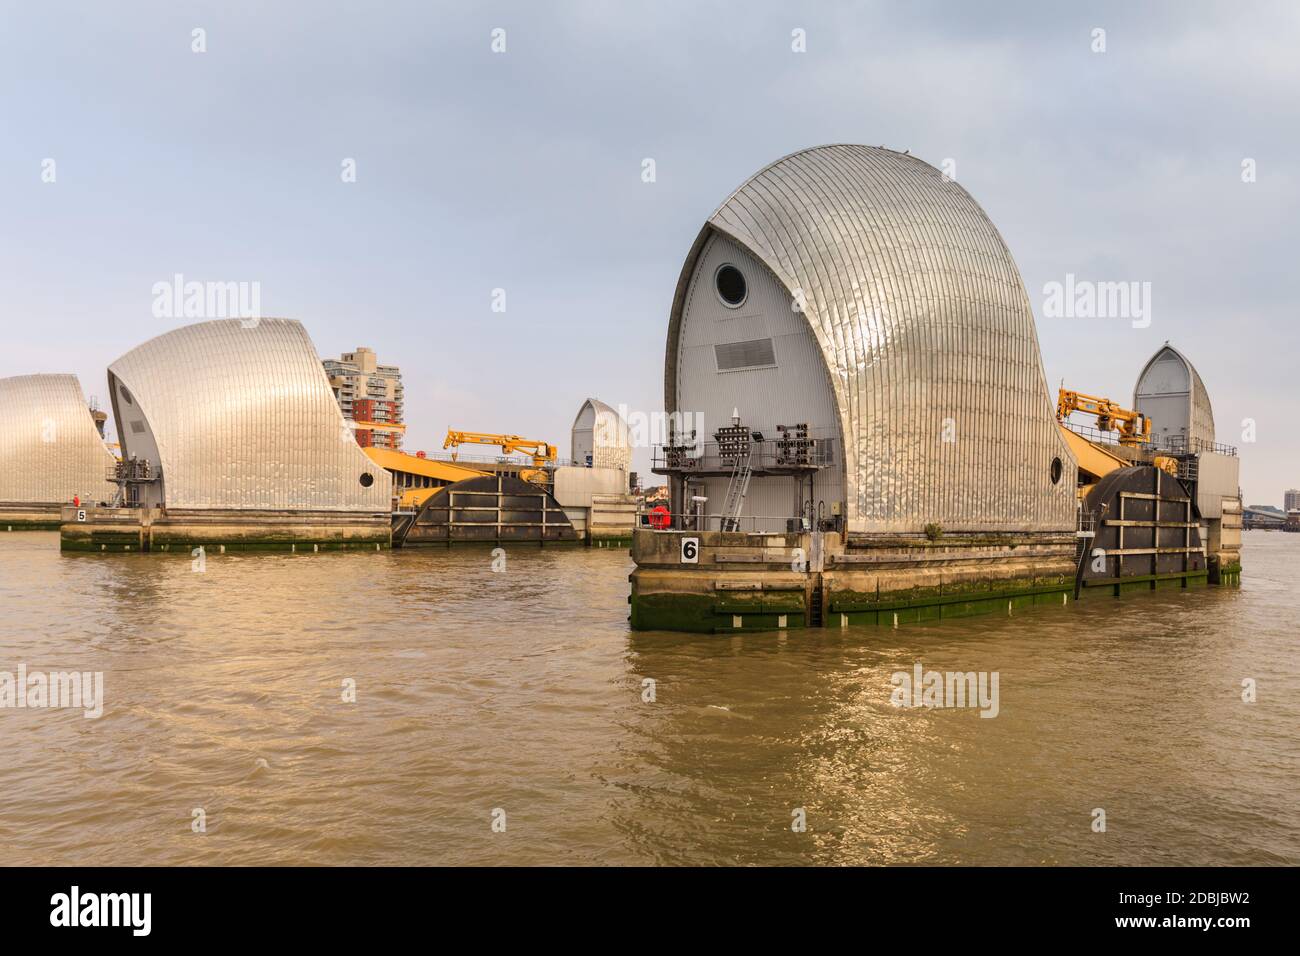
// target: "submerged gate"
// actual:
[[1147, 533], [489, 508]]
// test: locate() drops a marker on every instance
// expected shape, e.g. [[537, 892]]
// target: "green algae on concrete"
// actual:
[[18, 516], [278, 543], [112, 542], [613, 541], [949, 601], [718, 611], [672, 612], [736, 584], [1230, 575], [123, 543], [133, 530], [1115, 587]]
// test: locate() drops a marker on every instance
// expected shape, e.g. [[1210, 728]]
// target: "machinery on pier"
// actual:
[[1141, 522], [440, 502], [1099, 458], [1134, 428], [131, 476], [543, 453]]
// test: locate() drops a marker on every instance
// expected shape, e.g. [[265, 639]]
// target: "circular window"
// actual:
[[1056, 471], [125, 394], [731, 286], [367, 479]]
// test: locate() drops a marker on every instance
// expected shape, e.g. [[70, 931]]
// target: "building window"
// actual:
[[1056, 471], [367, 479], [731, 286]]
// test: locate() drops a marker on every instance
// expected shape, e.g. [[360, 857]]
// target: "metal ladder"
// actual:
[[1085, 533], [736, 490]]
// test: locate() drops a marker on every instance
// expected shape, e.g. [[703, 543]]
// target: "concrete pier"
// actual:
[[714, 581], [29, 517], [153, 529]]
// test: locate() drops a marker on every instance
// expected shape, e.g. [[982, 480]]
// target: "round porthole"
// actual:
[[1056, 471], [367, 479], [126, 396], [730, 283]]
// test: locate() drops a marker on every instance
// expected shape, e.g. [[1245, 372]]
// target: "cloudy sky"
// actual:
[[521, 170]]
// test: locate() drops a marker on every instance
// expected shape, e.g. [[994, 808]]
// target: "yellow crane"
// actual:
[[1094, 460], [543, 453], [1134, 428]]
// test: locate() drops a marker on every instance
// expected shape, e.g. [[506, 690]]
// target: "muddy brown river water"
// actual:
[[521, 697]]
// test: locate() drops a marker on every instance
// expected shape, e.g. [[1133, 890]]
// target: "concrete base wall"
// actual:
[[892, 581], [1223, 543], [741, 581], [160, 530], [611, 520], [606, 521], [575, 487], [578, 518], [30, 517]]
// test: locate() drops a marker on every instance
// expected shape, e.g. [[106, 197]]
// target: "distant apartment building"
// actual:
[[370, 395], [1292, 500]]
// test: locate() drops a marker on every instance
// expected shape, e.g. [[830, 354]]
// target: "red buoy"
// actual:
[[660, 517]]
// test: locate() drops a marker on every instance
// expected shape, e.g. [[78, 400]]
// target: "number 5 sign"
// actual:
[[690, 550]]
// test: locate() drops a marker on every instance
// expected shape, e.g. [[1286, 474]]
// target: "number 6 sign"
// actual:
[[690, 550]]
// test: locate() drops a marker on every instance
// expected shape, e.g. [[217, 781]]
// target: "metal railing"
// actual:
[[522, 462], [1217, 448], [749, 524], [1093, 434], [1170, 444], [770, 454]]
